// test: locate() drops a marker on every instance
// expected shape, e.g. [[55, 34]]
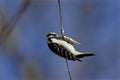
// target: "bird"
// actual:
[[64, 48]]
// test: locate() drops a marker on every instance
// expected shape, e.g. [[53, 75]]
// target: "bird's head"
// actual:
[[52, 35]]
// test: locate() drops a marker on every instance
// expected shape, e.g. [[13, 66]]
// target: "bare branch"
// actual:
[[10, 24]]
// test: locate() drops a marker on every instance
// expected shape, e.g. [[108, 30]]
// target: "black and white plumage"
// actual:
[[63, 48]]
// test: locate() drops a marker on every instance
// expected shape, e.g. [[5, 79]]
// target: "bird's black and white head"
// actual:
[[51, 35]]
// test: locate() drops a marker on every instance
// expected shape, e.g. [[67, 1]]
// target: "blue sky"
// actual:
[[95, 24]]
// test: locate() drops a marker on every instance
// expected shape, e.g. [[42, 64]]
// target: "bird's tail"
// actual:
[[84, 54]]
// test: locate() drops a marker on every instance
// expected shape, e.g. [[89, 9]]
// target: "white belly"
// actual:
[[66, 45]]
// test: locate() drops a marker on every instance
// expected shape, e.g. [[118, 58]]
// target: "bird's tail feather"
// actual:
[[84, 54]]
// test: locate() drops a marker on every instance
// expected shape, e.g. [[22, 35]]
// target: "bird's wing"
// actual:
[[69, 40], [62, 52]]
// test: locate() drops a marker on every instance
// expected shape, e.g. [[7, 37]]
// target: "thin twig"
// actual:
[[61, 24], [68, 70], [10, 25], [4, 25], [62, 33]]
